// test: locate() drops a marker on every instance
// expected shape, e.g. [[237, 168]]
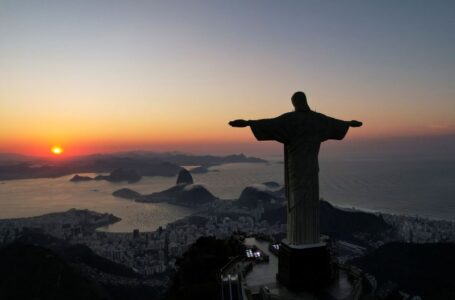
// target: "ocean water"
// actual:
[[424, 187], [32, 197]]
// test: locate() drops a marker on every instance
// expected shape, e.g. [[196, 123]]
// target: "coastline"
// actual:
[[413, 229]]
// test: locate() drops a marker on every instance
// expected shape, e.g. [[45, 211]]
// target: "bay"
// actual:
[[412, 187]]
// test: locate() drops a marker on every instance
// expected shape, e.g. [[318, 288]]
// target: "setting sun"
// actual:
[[57, 150]]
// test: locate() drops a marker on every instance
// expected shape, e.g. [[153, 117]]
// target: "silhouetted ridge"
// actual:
[[84, 255], [251, 196], [78, 254], [31, 272], [343, 224], [89, 272], [42, 240]]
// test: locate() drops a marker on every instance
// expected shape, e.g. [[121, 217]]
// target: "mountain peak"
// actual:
[[184, 177]]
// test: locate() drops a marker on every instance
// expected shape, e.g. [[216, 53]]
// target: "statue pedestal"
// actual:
[[305, 267]]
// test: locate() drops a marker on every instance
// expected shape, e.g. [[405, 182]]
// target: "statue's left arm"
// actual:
[[336, 129]]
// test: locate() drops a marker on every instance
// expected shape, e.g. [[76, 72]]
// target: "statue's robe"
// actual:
[[301, 132]]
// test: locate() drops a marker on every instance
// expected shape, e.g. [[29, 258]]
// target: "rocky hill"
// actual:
[[263, 194], [184, 177], [39, 266], [32, 272], [184, 193], [358, 227]]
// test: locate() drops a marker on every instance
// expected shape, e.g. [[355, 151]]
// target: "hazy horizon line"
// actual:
[[414, 143]]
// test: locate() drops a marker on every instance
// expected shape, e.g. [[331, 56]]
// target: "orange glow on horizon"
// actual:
[[216, 139]]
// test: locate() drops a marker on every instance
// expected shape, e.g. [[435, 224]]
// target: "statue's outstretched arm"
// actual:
[[240, 123], [355, 123]]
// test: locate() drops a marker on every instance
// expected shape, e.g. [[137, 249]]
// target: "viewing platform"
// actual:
[[257, 280]]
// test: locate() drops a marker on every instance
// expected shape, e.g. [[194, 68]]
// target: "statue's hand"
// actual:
[[239, 123], [355, 123]]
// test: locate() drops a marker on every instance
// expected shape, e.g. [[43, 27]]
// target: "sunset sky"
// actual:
[[102, 76]]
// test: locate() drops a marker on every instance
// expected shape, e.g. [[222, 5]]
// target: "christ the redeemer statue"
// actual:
[[302, 132]]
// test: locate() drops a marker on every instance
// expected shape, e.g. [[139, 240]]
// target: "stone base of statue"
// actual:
[[305, 267]]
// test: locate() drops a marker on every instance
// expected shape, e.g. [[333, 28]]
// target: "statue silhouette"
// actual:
[[302, 132]]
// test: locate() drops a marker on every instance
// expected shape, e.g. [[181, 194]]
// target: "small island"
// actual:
[[118, 175], [78, 178]]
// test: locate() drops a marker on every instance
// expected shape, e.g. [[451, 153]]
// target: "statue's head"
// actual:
[[299, 101]]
